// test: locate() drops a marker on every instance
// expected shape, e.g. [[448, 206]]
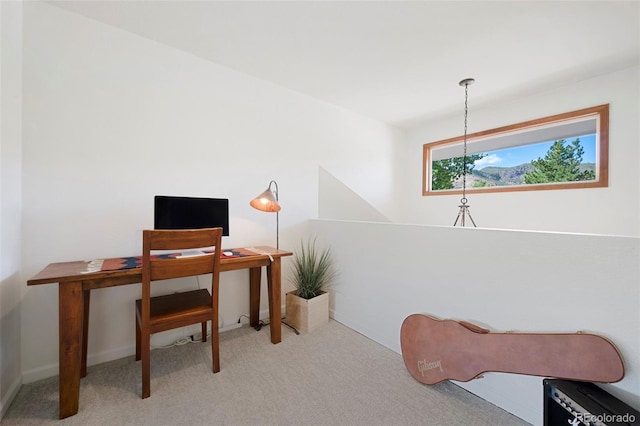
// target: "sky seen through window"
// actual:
[[518, 155]]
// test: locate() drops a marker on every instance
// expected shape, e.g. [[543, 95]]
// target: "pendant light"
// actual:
[[463, 211]]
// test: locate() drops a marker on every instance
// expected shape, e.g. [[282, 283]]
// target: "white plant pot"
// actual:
[[306, 315]]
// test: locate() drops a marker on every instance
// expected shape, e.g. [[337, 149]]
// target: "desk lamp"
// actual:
[[268, 202]]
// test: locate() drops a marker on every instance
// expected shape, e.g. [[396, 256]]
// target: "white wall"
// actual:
[[111, 119], [502, 280], [613, 210], [338, 201], [11, 285]]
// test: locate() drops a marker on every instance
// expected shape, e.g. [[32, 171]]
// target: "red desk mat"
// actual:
[[132, 262]]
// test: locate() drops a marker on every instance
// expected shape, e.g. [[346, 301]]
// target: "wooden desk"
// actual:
[[74, 289]]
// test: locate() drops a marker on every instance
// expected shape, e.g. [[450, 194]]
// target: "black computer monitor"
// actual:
[[191, 213]]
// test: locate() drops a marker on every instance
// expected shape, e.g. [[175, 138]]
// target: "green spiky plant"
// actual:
[[313, 270]]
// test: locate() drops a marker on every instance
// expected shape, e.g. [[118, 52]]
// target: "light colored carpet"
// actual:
[[332, 376]]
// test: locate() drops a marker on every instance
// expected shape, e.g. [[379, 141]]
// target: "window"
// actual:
[[563, 151]]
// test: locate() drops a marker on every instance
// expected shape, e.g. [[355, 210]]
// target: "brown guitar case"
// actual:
[[435, 350]]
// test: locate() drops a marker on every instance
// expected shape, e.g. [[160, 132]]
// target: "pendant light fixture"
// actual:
[[463, 211]]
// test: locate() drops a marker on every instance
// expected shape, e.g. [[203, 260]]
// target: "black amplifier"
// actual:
[[568, 402]]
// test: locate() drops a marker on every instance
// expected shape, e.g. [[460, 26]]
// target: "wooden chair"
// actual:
[[160, 313]]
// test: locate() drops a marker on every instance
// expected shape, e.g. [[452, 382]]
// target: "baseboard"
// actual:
[[52, 370], [8, 398], [494, 388], [229, 327], [365, 329]]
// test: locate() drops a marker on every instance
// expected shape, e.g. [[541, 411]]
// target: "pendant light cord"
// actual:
[[464, 157], [463, 212]]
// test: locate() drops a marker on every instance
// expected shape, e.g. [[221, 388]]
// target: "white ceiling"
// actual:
[[396, 61]]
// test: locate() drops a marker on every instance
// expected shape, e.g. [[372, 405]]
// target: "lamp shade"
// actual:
[[266, 202]]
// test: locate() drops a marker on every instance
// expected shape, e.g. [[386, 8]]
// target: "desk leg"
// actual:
[[255, 275], [86, 299], [275, 299], [70, 301]]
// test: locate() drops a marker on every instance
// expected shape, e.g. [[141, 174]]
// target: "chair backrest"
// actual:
[[161, 268]]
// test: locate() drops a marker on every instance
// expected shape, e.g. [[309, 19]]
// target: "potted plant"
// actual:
[[307, 307]]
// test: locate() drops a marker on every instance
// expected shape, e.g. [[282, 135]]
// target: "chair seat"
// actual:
[[170, 307]]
